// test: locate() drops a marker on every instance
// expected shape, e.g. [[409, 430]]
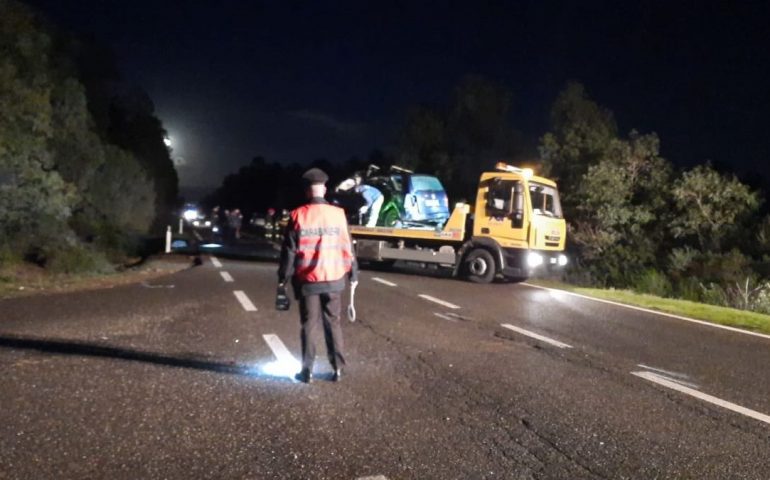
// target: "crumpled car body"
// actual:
[[411, 200]]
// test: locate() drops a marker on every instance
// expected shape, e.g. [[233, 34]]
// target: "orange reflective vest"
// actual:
[[324, 250]]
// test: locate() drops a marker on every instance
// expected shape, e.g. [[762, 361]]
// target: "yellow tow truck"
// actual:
[[515, 229]]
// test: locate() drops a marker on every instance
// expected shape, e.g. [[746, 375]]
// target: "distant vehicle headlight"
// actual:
[[215, 229], [534, 259], [208, 223], [190, 214], [196, 223], [562, 260]]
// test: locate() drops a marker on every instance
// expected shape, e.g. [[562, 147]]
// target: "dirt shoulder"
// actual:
[[26, 280]]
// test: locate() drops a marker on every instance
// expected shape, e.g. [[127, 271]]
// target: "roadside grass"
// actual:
[[746, 320]]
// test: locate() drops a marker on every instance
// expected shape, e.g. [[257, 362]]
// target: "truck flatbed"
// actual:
[[454, 229]]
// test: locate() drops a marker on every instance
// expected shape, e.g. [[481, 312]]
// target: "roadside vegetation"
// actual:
[[84, 172], [757, 322], [636, 223]]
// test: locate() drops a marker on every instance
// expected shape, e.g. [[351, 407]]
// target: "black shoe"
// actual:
[[304, 376], [337, 375]]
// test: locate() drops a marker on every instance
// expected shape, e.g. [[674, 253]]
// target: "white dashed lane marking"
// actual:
[[245, 302], [672, 376], [537, 336], [384, 282], [445, 317], [282, 354], [216, 262], [438, 300], [226, 277], [661, 380]]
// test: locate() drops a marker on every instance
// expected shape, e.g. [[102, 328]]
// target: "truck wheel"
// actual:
[[480, 266]]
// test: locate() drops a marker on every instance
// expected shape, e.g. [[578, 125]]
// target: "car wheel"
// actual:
[[391, 218]]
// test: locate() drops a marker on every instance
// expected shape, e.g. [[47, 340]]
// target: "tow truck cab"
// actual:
[[518, 217]]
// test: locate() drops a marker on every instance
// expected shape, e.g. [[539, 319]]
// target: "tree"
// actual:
[[459, 141], [59, 174], [710, 206], [619, 223], [135, 128], [423, 143], [581, 132], [35, 201]]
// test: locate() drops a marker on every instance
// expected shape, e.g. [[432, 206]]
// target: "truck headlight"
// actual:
[[534, 259], [562, 260]]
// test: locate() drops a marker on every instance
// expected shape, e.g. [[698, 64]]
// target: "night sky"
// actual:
[[296, 81]]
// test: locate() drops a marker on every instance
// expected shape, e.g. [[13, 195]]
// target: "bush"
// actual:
[[653, 282], [714, 294], [688, 288], [8, 256], [77, 259], [761, 302]]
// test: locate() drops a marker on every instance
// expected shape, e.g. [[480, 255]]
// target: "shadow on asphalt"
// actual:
[[64, 347]]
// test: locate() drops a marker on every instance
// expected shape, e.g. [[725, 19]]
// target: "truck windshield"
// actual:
[[545, 200]]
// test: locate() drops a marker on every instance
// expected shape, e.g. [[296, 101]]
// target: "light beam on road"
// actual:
[[285, 365]]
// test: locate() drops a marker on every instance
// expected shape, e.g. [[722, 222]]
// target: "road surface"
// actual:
[[189, 376]]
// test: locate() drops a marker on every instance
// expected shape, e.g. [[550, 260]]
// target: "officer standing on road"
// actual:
[[317, 255]]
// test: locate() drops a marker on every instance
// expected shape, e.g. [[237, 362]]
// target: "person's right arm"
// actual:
[[288, 252]]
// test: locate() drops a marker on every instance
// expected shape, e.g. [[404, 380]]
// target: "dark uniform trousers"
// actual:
[[314, 310]]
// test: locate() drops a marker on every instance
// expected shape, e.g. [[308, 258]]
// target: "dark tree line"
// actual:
[[83, 166], [261, 185]]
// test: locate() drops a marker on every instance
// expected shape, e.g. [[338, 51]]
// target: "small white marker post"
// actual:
[[168, 239], [181, 226]]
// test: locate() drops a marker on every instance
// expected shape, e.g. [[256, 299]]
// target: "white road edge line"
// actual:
[[655, 312], [553, 342], [216, 262], [445, 317], [282, 354], [227, 277], [438, 300], [655, 378], [245, 302], [384, 282]]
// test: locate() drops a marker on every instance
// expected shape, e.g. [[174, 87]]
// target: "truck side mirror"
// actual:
[[517, 218]]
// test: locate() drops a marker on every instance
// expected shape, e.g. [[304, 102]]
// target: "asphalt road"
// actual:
[[178, 379]]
